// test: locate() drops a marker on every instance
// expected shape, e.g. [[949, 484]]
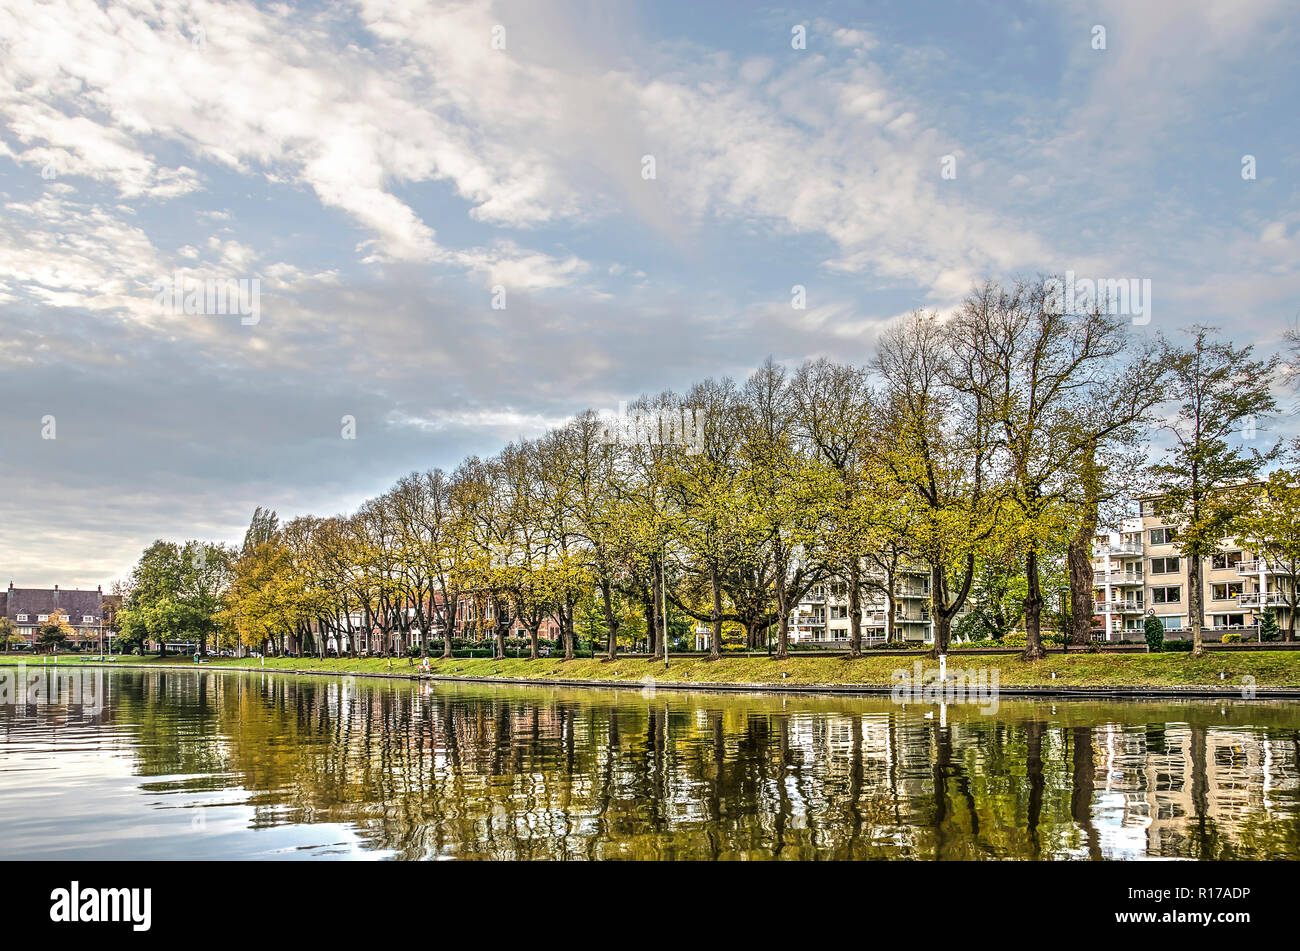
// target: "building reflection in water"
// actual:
[[527, 773]]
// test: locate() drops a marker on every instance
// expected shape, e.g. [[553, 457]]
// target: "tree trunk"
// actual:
[[1080, 562], [942, 632], [1079, 553], [650, 606], [783, 622], [940, 614], [660, 610], [611, 625], [1290, 621], [1195, 604], [532, 642], [715, 642], [1033, 609], [566, 626], [855, 608]]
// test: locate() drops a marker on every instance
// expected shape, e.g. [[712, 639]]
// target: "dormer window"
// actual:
[[22, 617]]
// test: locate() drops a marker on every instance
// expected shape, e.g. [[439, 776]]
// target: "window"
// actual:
[[1162, 536], [1227, 559], [839, 612], [88, 619], [42, 617], [1172, 623], [1225, 592], [1170, 594], [22, 617], [1161, 566]]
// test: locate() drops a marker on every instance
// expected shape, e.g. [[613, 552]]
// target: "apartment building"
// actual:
[[1140, 571], [822, 616]]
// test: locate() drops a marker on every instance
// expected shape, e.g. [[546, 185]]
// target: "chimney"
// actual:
[[99, 588], [56, 587]]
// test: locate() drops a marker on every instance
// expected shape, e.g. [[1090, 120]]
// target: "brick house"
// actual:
[[29, 608]]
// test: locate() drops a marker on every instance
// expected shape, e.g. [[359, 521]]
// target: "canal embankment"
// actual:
[[1273, 674]]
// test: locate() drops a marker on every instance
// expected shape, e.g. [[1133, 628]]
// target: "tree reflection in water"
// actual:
[[419, 771]]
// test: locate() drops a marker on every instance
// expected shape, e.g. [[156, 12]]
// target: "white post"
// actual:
[[943, 668]]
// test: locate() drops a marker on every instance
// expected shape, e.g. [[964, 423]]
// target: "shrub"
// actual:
[[1268, 628], [1231, 638], [1181, 646], [1154, 632], [1048, 639]]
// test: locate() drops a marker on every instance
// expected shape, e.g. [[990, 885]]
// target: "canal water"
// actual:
[[147, 764]]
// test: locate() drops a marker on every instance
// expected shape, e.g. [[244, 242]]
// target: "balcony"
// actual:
[[1117, 578], [1123, 549], [1119, 607], [1258, 566], [911, 593], [1257, 599]]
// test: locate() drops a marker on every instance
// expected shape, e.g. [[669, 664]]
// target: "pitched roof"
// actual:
[[36, 601]]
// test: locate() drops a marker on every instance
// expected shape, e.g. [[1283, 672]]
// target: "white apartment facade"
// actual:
[[1139, 572], [822, 616]]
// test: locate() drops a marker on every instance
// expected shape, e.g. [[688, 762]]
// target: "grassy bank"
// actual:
[[1269, 668]]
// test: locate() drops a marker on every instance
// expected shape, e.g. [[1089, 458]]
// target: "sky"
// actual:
[[467, 221]]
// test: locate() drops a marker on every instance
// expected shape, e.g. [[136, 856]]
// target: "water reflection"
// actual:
[[206, 764]]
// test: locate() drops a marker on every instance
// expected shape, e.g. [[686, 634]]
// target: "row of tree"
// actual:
[[1004, 436]]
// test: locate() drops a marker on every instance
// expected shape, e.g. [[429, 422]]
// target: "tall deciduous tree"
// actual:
[[836, 410], [1046, 379], [937, 448], [1220, 394]]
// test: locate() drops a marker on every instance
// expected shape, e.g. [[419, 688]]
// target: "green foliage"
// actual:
[[1268, 626], [9, 636], [1018, 639], [1154, 632], [1232, 637], [55, 632], [175, 593], [1222, 396]]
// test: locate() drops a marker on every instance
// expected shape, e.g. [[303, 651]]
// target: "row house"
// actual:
[[1139, 571], [30, 608], [468, 626]]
